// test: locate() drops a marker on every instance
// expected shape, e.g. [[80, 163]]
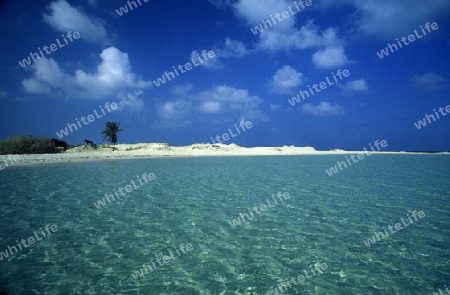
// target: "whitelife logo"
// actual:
[[225, 136], [166, 260], [423, 123], [35, 56], [397, 226], [360, 156], [122, 10], [341, 74], [187, 66], [319, 267], [31, 241], [128, 188], [64, 132], [284, 14], [411, 38], [262, 207]]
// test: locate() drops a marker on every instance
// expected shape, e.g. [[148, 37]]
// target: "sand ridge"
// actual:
[[149, 150]]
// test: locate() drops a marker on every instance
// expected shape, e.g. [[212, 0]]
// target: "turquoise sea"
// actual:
[[193, 200]]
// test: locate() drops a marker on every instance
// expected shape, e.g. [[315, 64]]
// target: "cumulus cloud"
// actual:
[[286, 80], [287, 34], [330, 57], [48, 77], [253, 11], [355, 86], [183, 89], [236, 103], [174, 113], [308, 36], [386, 19], [275, 107], [210, 63], [131, 101], [389, 19], [323, 109], [114, 71], [232, 48], [229, 102], [174, 109], [113, 77], [429, 82], [227, 49], [211, 107], [63, 17], [232, 98], [33, 86]]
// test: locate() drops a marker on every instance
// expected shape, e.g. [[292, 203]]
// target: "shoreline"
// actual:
[[162, 150]]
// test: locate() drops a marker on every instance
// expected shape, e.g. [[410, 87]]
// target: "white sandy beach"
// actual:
[[149, 150]]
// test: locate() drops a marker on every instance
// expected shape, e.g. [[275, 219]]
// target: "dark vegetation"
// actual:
[[27, 144]]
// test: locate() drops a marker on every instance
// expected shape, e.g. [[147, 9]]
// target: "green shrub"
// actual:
[[27, 144]]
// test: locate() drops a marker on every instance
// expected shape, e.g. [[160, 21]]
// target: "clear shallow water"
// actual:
[[192, 200]]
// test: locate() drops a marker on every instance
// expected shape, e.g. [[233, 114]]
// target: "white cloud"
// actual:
[[63, 18], [323, 109], [389, 19], [308, 36], [232, 48], [112, 78], [284, 34], [256, 10], [174, 113], [5, 96], [231, 103], [275, 107], [236, 99], [131, 101], [114, 71], [48, 77], [211, 107], [183, 89], [174, 109], [210, 63], [286, 80], [429, 82], [229, 48], [330, 57], [386, 19], [359, 86], [235, 102], [33, 86]]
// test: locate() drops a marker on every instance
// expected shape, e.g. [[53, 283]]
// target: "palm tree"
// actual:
[[110, 132]]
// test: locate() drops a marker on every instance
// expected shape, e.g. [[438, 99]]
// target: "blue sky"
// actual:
[[251, 77]]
